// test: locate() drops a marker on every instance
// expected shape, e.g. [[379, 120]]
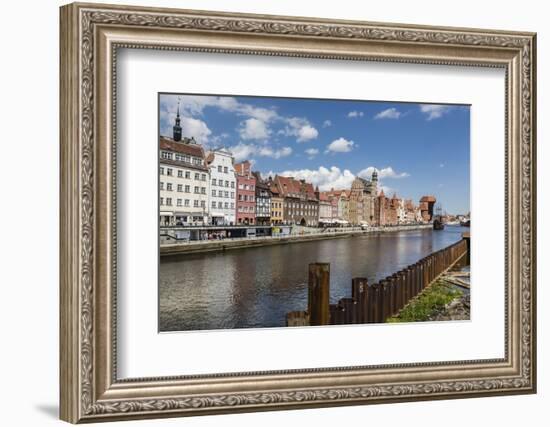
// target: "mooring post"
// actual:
[[319, 294]]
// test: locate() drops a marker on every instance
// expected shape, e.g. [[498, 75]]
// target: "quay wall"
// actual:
[[228, 244]]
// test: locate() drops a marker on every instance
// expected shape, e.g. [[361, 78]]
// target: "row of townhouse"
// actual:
[[363, 204], [209, 188]]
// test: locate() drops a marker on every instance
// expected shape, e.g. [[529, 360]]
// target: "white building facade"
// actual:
[[183, 181], [222, 192]]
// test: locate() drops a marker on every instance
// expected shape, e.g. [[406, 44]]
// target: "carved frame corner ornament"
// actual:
[[90, 36]]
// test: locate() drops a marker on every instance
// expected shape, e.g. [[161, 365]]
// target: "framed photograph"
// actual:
[[267, 212]]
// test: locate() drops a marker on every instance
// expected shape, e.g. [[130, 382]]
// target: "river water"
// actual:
[[256, 287]]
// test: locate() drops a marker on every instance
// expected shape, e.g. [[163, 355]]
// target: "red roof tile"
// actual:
[[181, 147]]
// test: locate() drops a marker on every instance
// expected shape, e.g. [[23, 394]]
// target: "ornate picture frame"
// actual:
[[90, 37]]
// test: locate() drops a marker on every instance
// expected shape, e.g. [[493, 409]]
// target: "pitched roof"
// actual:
[[191, 149], [428, 199], [288, 185]]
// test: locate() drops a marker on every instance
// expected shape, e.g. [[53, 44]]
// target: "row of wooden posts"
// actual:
[[373, 303]]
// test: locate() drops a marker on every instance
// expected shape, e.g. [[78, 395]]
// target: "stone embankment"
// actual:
[[247, 242]]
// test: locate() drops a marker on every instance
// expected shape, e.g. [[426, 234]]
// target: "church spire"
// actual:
[[177, 126]]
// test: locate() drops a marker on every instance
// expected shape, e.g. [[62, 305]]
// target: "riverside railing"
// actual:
[[373, 303]]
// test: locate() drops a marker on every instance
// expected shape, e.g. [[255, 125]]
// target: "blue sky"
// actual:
[[418, 149]]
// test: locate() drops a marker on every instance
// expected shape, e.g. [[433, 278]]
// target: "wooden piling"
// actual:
[[359, 292], [297, 318], [466, 238], [319, 294]]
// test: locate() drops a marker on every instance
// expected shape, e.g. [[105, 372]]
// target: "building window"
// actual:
[[179, 202], [232, 194], [219, 205], [197, 191], [197, 176], [225, 169], [241, 187], [169, 171], [168, 201], [180, 174], [169, 187], [162, 201], [203, 190], [162, 185], [214, 205], [203, 204], [187, 174], [226, 205], [195, 203], [161, 170], [203, 177], [240, 197], [232, 184], [219, 169], [187, 189], [186, 202], [214, 181], [213, 193], [180, 187], [227, 194], [232, 205]]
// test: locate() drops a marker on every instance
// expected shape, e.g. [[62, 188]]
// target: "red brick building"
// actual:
[[246, 190], [386, 209]]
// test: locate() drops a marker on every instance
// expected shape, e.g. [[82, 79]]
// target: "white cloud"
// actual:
[[300, 128], [274, 153], [256, 125], [383, 173], [243, 151], [442, 165], [433, 111], [312, 152], [306, 133], [327, 123], [195, 128], [195, 104], [334, 177], [254, 129], [389, 113], [340, 145], [325, 178], [354, 113]]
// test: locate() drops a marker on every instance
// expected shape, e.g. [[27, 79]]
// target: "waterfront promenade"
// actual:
[[301, 235]]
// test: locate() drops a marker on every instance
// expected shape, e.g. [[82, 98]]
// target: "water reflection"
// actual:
[[256, 287]]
